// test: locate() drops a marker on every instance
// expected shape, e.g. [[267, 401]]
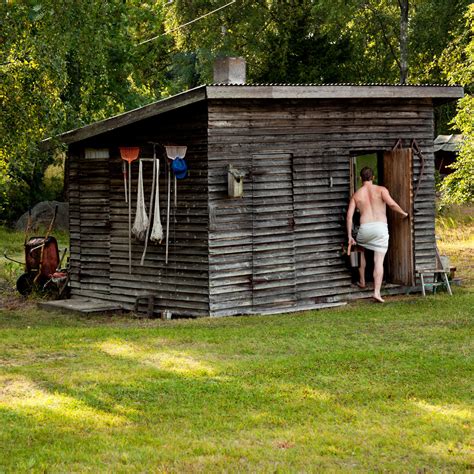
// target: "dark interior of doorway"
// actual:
[[373, 160]]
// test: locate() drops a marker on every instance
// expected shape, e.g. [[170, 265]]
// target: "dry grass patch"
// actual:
[[455, 231]]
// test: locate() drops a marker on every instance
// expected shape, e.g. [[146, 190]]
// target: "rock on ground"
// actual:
[[41, 216]]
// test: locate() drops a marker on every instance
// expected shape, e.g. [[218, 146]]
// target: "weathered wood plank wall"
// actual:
[[182, 285], [321, 136], [278, 247]]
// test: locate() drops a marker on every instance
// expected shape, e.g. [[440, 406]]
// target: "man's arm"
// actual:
[[350, 215], [391, 203]]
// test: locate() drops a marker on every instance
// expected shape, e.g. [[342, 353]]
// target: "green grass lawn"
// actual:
[[364, 387]]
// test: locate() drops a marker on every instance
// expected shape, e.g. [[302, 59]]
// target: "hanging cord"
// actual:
[[417, 151], [188, 23], [168, 211], [151, 205], [157, 230]]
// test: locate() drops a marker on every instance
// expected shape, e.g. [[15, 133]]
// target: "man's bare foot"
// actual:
[[378, 298], [360, 285]]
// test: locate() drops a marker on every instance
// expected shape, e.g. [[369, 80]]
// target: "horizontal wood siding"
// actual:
[[73, 158], [182, 285], [321, 135]]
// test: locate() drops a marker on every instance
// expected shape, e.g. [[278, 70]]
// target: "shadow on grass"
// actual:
[[350, 389], [184, 410]]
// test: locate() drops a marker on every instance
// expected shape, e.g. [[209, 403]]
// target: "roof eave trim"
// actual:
[[445, 93]]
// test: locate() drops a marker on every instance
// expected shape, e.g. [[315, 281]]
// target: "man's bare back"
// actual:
[[371, 202]]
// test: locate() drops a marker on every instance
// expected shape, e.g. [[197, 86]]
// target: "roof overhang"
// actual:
[[127, 118], [437, 93]]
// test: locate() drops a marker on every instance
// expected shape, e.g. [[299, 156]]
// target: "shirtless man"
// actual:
[[372, 202]]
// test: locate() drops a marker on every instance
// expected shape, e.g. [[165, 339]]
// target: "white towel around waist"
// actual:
[[373, 236]]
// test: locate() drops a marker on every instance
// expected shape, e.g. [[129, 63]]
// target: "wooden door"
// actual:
[[273, 244], [397, 178]]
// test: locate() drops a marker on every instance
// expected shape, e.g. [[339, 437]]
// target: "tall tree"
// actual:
[[403, 40], [55, 76], [64, 64]]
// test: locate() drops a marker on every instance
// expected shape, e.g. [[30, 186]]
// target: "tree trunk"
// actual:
[[403, 40]]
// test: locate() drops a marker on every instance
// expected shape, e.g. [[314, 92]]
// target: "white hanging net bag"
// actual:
[[157, 229], [141, 219]]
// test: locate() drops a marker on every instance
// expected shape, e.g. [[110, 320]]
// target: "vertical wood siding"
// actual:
[[73, 158], [273, 277], [320, 135]]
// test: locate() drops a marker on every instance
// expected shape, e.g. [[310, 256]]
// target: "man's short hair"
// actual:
[[366, 173]]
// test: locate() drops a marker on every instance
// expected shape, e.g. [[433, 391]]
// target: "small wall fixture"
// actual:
[[235, 182]]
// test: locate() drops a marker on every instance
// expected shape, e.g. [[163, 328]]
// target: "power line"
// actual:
[[188, 23]]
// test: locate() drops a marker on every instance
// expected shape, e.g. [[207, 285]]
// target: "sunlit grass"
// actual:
[[161, 358], [365, 388], [21, 395]]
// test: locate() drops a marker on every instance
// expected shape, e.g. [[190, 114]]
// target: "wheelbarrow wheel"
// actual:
[[25, 284]]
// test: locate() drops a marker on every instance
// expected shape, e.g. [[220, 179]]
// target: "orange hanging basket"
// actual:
[[129, 153]]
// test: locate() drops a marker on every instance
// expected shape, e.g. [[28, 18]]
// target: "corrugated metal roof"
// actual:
[[340, 84], [450, 143], [441, 93]]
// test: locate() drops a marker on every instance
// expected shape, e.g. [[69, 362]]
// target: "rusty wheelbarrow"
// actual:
[[42, 264]]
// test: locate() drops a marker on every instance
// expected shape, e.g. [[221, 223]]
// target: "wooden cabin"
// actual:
[[277, 247]]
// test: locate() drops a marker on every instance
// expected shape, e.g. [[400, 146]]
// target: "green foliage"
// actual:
[[318, 41], [458, 63], [65, 64], [56, 77]]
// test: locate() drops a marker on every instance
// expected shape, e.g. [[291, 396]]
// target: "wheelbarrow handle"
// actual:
[[37, 247], [11, 259]]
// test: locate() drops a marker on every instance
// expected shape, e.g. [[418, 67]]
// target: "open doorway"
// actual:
[[392, 169], [374, 160]]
